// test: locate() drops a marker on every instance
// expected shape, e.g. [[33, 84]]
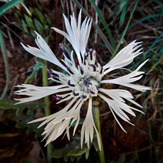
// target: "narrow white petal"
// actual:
[[59, 122], [43, 52], [127, 80], [88, 127], [111, 108], [53, 116], [124, 57], [77, 116], [119, 95], [117, 120], [60, 32], [68, 27], [77, 33], [79, 19], [35, 92], [65, 99]]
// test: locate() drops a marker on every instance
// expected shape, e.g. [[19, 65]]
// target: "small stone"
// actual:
[[22, 69], [23, 76]]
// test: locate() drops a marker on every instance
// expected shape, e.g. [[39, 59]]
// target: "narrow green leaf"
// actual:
[[158, 38], [116, 50], [8, 5], [71, 149], [156, 64], [24, 25], [9, 135], [7, 104], [103, 21], [10, 104], [3, 48], [148, 54], [146, 18], [26, 160], [31, 10], [123, 14], [121, 159]]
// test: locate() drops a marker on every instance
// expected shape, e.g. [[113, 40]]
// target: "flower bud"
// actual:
[[33, 17]]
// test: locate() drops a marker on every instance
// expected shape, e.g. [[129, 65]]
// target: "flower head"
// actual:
[[82, 81]]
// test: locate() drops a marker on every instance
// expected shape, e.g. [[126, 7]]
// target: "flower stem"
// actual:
[[45, 84], [47, 109], [97, 123]]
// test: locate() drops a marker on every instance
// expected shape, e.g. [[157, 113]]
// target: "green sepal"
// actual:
[[39, 27], [40, 15], [29, 21]]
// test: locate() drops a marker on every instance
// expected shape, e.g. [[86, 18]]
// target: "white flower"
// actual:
[[82, 83]]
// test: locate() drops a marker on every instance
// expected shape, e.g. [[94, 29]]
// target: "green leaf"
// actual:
[[25, 113], [9, 135], [10, 104], [120, 160], [26, 160], [7, 104], [129, 20], [148, 54], [70, 150], [144, 19], [103, 21], [5, 58], [8, 5], [31, 9], [156, 64], [48, 20], [35, 68], [123, 14]]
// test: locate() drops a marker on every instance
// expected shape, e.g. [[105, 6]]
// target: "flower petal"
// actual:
[[124, 57], [119, 95], [43, 52], [61, 121], [77, 33], [115, 107], [53, 116], [127, 80], [36, 92], [88, 127]]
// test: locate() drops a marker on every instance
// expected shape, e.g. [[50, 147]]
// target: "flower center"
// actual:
[[89, 85]]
